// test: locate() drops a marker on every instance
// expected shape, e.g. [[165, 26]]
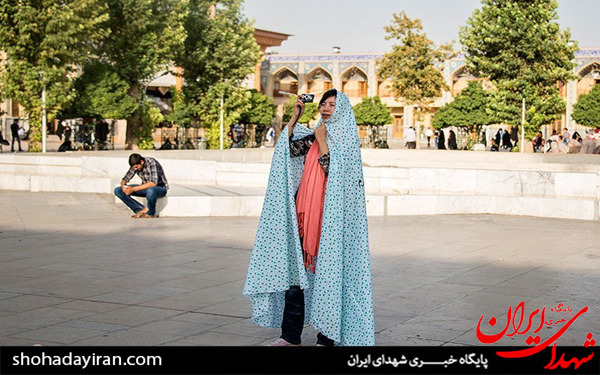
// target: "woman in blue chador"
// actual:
[[310, 262]]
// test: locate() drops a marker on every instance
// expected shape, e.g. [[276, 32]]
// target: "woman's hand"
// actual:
[[298, 111], [320, 134]]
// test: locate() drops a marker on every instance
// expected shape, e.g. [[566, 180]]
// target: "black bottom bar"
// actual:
[[295, 360]]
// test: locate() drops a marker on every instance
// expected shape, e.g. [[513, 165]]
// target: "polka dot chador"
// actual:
[[338, 296]]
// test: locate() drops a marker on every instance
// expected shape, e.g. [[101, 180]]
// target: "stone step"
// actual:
[[206, 201]]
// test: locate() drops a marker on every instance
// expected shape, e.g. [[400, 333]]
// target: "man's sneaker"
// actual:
[[281, 342]]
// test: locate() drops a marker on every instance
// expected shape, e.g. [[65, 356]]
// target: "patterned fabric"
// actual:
[[151, 172], [301, 146], [338, 297]]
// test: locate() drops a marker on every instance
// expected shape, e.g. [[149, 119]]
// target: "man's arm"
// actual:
[[153, 181], [145, 186], [128, 176]]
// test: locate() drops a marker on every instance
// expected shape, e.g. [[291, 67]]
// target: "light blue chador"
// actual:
[[338, 297]]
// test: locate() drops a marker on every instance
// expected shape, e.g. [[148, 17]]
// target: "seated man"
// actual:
[[154, 186]]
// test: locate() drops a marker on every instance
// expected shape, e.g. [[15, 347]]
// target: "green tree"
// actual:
[[150, 116], [410, 66], [218, 53], [182, 113], [101, 93], [260, 111], [145, 36], [470, 109], [586, 111], [373, 113], [44, 42], [518, 44], [235, 101]]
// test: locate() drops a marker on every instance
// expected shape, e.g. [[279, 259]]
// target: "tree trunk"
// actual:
[[134, 121]]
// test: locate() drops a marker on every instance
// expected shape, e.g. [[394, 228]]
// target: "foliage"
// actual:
[[518, 44], [151, 116], [310, 111], [469, 109], [183, 111], [371, 111], [410, 66], [144, 37], [44, 42], [100, 93], [586, 111], [261, 110], [235, 101], [218, 54]]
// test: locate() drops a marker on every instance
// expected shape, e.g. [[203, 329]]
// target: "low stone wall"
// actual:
[[397, 182]]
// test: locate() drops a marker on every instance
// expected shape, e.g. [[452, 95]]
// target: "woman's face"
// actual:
[[327, 107]]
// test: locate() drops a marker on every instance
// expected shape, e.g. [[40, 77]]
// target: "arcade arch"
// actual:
[[354, 82], [285, 80], [460, 80], [589, 76], [319, 80]]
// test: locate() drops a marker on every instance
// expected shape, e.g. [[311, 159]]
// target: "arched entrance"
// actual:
[[354, 83], [589, 76], [285, 80], [319, 80]]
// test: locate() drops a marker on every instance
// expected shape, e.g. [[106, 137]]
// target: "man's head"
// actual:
[[136, 161], [16, 121]]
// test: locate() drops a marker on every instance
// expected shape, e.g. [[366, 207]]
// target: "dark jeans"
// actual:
[[151, 194], [12, 145], [293, 318]]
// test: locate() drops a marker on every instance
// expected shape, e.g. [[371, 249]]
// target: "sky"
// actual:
[[357, 25]]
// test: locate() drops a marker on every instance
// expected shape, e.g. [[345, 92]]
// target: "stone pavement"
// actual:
[[75, 269]]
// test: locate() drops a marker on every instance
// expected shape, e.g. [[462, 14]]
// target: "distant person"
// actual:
[[566, 136], [538, 143], [410, 137], [14, 131], [66, 145], [60, 129], [3, 142], [167, 145], [589, 143], [498, 137], [514, 136], [154, 185], [270, 137], [428, 134], [441, 143], [506, 141], [67, 132], [452, 141], [577, 137], [495, 147], [237, 136]]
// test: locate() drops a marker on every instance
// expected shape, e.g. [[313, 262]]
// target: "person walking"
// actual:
[[310, 262], [14, 131], [410, 137], [429, 134]]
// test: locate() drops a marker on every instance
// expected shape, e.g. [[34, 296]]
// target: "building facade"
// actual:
[[356, 76]]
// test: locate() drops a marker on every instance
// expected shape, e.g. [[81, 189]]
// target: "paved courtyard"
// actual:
[[75, 269]]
